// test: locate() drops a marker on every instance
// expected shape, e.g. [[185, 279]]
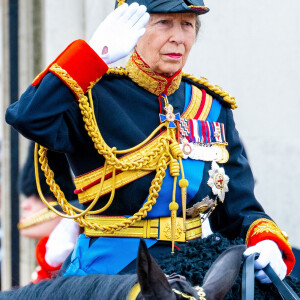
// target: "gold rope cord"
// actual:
[[163, 150], [142, 213], [214, 88], [167, 149]]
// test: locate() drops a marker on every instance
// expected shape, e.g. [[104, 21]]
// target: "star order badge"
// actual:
[[218, 181]]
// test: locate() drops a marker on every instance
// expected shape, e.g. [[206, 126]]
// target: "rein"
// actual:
[[248, 281]]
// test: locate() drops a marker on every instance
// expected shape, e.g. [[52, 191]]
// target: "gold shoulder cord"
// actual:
[[166, 150], [214, 88]]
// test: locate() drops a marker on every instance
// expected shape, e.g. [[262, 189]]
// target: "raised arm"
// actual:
[[48, 112]]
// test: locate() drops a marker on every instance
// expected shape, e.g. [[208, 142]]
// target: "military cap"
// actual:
[[170, 6]]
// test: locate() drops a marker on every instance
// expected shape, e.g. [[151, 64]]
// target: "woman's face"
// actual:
[[30, 206], [167, 42]]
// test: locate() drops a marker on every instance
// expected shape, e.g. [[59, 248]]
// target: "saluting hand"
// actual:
[[118, 34]]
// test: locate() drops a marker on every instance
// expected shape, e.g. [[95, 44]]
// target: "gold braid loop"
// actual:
[[69, 210], [110, 153], [161, 151], [175, 150], [214, 88], [174, 168], [165, 152], [55, 189]]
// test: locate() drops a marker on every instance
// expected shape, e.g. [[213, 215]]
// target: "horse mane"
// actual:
[[111, 287]]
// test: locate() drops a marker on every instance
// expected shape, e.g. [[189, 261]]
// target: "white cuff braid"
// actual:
[[118, 34]]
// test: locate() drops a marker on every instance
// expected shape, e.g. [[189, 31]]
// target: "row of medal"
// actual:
[[203, 140], [205, 152]]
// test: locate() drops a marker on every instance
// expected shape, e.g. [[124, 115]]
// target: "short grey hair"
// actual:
[[198, 25]]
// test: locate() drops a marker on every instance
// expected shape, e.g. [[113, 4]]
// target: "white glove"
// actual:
[[118, 34], [269, 253], [61, 242]]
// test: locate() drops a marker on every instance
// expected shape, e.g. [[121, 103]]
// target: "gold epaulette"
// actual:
[[214, 88]]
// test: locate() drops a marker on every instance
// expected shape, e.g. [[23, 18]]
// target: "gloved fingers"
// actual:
[[248, 251], [251, 250], [129, 13], [142, 22], [117, 13], [262, 277], [138, 14]]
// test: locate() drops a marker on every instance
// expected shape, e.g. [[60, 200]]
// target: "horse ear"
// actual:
[[153, 281], [223, 273]]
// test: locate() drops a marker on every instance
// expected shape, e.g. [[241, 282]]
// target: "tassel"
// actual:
[[173, 207], [183, 183]]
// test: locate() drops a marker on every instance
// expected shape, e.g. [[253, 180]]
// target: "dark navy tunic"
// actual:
[[48, 114]]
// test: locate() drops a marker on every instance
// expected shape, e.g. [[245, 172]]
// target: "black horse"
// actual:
[[151, 281]]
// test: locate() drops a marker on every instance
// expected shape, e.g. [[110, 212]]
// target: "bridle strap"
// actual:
[[283, 288]]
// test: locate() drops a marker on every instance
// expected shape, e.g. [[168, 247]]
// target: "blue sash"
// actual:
[[111, 255]]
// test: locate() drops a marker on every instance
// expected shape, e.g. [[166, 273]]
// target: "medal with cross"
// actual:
[[169, 116]]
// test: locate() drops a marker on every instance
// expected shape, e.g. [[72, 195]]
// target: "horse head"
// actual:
[[154, 284]]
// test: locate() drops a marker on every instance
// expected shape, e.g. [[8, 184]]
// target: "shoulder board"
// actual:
[[214, 90]]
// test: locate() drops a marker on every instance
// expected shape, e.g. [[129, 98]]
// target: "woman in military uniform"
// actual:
[[151, 147]]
